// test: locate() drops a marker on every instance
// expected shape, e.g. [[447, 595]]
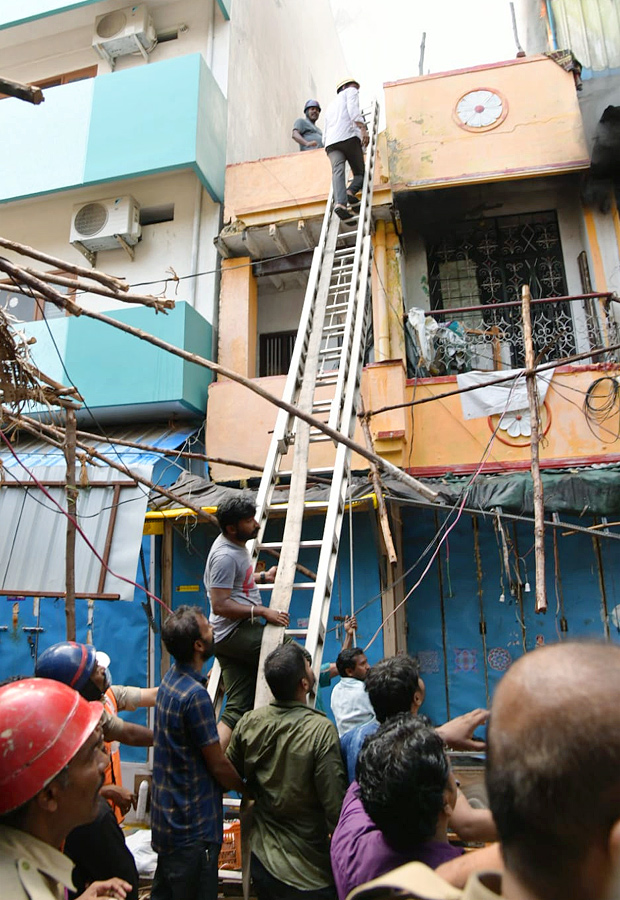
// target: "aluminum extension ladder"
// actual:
[[327, 359]]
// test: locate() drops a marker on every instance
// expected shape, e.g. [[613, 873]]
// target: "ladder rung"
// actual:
[[318, 470], [319, 439]]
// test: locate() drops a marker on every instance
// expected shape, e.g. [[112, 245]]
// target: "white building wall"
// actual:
[[63, 43], [165, 248], [282, 53]]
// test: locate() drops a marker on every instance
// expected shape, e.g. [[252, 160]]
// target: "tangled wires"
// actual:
[[601, 407]]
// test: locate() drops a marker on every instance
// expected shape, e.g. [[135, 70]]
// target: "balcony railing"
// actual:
[[490, 337]]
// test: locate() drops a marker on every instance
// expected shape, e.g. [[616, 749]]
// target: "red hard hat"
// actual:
[[43, 724]]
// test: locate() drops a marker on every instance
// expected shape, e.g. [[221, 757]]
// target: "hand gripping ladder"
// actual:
[[323, 382]]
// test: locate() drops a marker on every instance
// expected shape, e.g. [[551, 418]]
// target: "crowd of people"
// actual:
[[366, 808]]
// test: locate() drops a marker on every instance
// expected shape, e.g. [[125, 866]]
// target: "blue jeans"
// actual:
[[187, 873]]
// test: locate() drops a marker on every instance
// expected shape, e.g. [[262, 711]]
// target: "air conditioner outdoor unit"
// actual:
[[124, 31], [106, 224]]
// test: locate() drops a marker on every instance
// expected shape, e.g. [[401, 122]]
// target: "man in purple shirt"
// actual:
[[399, 810]]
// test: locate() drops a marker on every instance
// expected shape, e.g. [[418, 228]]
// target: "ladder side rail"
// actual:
[[319, 610], [363, 230], [285, 577], [280, 440]]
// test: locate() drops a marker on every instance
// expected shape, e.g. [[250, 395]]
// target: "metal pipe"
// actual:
[[382, 343]]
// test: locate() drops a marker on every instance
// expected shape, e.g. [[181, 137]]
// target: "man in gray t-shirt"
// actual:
[[236, 608], [305, 131]]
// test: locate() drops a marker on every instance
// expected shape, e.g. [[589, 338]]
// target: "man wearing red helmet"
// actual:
[[98, 849], [51, 769]]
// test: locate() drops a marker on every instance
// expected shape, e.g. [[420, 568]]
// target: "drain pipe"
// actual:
[[382, 339], [195, 241]]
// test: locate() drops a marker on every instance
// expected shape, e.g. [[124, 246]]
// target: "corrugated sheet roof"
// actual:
[[591, 29], [33, 534], [34, 452]]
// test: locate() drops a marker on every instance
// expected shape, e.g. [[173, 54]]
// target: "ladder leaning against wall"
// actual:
[[323, 381]]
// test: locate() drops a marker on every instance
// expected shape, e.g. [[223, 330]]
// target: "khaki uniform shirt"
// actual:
[[31, 869], [415, 880], [126, 698], [290, 756]]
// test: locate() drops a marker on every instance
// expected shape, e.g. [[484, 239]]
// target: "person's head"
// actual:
[[406, 785], [51, 758], [553, 770], [346, 83], [288, 672], [187, 635], [235, 516], [352, 663], [312, 110], [75, 665], [394, 686]]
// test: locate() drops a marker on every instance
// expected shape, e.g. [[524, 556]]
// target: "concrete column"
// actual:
[[238, 317]]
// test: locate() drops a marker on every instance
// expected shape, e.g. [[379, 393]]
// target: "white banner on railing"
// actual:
[[495, 399]]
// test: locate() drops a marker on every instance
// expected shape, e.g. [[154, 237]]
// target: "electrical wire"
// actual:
[[599, 409]]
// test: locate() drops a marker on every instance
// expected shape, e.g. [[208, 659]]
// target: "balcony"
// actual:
[[490, 337], [497, 122], [166, 116], [121, 378]]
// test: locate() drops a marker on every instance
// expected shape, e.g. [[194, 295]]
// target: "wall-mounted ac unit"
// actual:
[[106, 224], [124, 31]]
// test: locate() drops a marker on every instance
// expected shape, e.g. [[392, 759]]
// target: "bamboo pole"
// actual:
[[71, 492], [102, 277], [160, 304], [64, 303], [539, 504]]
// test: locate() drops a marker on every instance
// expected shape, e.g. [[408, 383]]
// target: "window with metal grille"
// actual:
[[275, 351], [489, 260], [485, 263]]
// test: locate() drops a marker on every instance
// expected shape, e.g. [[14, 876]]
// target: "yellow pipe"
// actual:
[[382, 323], [600, 282]]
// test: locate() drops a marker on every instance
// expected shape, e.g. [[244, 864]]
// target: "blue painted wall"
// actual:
[[114, 370], [164, 116], [191, 547], [121, 629], [459, 671]]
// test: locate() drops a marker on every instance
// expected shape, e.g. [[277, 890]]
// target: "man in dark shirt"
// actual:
[[290, 757], [305, 131], [189, 767]]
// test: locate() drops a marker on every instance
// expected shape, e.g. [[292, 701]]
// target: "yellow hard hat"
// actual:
[[345, 81]]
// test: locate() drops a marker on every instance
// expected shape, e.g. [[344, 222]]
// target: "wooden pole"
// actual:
[[62, 302], [109, 280], [539, 504], [72, 493], [29, 93], [376, 481], [161, 304], [166, 588]]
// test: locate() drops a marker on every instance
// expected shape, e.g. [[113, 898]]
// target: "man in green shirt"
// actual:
[[289, 756]]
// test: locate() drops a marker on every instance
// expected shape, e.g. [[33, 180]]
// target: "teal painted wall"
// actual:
[[112, 369], [16, 12], [159, 117]]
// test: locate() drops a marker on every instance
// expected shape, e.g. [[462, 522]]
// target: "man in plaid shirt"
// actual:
[[189, 768]]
